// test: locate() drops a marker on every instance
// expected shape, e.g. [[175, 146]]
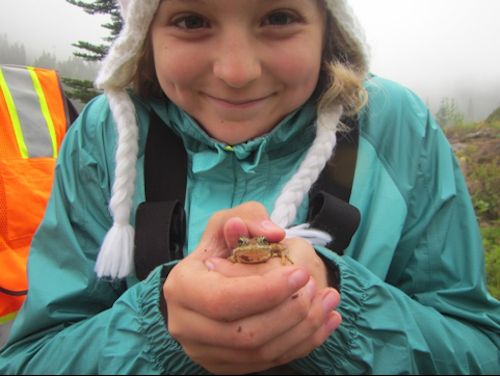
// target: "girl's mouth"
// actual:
[[237, 104]]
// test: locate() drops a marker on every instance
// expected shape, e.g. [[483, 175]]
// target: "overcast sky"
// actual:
[[438, 48]]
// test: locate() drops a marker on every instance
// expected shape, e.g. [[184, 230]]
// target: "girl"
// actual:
[[256, 91]]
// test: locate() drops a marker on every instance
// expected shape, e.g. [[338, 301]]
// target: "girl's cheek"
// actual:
[[294, 65], [296, 72], [180, 68]]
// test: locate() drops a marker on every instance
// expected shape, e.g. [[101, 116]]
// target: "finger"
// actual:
[[304, 348], [313, 331], [231, 269], [257, 220], [249, 219], [303, 254], [234, 229], [303, 338], [273, 232], [299, 352], [222, 298], [246, 334], [237, 227], [230, 368]]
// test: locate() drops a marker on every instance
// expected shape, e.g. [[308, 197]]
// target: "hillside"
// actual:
[[477, 147]]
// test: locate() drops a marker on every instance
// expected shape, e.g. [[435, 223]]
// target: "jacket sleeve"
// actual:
[[72, 322], [430, 311]]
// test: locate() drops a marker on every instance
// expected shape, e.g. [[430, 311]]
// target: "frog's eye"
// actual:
[[263, 240], [241, 241]]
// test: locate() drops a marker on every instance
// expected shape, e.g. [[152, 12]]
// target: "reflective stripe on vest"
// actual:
[[6, 324], [29, 112], [33, 122]]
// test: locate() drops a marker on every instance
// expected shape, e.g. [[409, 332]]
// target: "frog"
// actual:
[[258, 250]]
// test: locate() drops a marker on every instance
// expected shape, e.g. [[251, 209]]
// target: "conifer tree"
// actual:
[[11, 53], [83, 89], [99, 52], [449, 114]]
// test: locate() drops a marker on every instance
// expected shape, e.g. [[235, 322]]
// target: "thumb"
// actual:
[[226, 227], [235, 228]]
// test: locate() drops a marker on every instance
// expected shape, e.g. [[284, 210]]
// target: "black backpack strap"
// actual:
[[336, 217], [165, 163], [160, 228], [159, 236], [338, 176], [329, 208]]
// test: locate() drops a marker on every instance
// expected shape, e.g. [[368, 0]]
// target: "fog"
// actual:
[[438, 48], [49, 25]]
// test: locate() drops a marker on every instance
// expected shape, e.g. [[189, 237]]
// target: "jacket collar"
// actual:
[[289, 135]]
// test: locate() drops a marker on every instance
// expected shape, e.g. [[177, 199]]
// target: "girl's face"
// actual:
[[238, 67]]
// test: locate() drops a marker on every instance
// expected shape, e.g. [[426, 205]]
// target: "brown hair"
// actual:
[[343, 72], [145, 81]]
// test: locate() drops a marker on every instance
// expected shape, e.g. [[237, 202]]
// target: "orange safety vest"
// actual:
[[33, 121]]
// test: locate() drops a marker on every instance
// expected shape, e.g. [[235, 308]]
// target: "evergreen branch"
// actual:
[[97, 52], [97, 7], [83, 89]]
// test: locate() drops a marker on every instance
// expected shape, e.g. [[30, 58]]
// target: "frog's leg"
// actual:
[[285, 256], [282, 251]]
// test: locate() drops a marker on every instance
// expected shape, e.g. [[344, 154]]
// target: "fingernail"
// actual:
[[270, 225], [330, 302], [298, 279], [214, 262], [333, 321], [311, 288]]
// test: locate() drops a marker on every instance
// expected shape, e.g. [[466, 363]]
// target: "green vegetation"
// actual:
[[486, 196], [480, 160], [494, 118], [491, 241], [448, 114]]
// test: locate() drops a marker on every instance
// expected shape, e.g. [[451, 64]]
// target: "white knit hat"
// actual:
[[115, 258]]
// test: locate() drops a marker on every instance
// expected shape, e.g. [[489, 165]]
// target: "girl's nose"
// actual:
[[237, 60]]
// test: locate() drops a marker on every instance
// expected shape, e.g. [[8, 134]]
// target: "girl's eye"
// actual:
[[191, 23], [280, 19]]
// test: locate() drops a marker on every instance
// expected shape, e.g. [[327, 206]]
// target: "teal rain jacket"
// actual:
[[414, 295]]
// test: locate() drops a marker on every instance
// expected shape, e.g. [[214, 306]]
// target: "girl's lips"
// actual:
[[231, 103], [237, 103]]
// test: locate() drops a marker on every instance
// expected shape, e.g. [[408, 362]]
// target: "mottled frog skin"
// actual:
[[259, 250]]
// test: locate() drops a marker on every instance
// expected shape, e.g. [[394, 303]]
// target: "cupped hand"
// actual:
[[248, 321], [300, 252]]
